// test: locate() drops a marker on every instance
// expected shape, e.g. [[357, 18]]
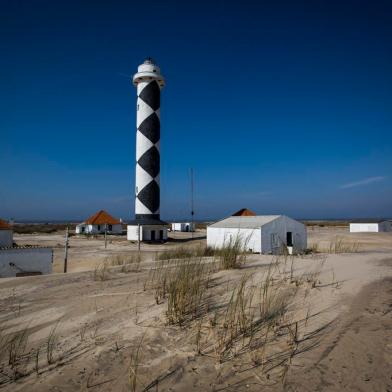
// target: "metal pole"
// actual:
[[66, 250], [138, 238], [192, 211]]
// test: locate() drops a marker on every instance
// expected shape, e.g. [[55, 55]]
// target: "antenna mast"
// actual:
[[192, 209]]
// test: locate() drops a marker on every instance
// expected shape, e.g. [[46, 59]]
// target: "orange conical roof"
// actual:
[[244, 212], [102, 218], [4, 225]]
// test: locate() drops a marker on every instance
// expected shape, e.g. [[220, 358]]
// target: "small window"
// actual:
[[110, 228], [154, 70], [274, 240], [99, 227]]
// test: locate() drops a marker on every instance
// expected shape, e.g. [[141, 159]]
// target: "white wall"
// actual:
[[183, 226], [279, 228], [93, 229], [6, 238], [370, 227], [364, 227], [217, 237], [145, 232], [25, 260]]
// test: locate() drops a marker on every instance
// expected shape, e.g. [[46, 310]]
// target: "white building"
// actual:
[[147, 233], [371, 227], [22, 260], [259, 234], [183, 226], [99, 223]]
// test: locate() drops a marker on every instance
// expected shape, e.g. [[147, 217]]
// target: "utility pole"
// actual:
[[192, 211], [66, 250], [138, 239]]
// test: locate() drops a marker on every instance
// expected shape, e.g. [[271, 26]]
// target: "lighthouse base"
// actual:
[[152, 233]]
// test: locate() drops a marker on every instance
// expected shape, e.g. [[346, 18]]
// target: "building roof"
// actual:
[[4, 225], [368, 221], [244, 212], [102, 218], [245, 222]]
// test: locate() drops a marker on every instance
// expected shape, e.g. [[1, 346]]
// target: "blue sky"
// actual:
[[281, 107]]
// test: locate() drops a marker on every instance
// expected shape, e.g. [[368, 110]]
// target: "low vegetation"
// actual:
[[45, 228], [336, 246], [128, 263]]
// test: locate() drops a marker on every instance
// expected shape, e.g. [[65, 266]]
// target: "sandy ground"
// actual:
[[97, 326], [86, 253]]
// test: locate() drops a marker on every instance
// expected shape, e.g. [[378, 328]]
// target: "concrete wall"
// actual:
[[145, 232], [98, 229], [218, 237], [370, 227], [6, 238], [183, 226], [22, 260], [274, 235], [364, 228]]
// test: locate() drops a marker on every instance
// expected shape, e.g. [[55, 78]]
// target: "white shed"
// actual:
[[259, 234], [371, 227], [183, 226], [99, 223]]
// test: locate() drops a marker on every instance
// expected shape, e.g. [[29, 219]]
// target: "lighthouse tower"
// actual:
[[147, 224]]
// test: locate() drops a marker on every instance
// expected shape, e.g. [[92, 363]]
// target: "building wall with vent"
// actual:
[[6, 238], [25, 261]]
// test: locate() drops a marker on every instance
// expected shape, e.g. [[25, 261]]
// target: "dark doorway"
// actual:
[[161, 235], [289, 238], [153, 235]]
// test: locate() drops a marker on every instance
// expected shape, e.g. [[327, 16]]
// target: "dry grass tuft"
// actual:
[[101, 272], [339, 245], [128, 263], [182, 252], [186, 290], [134, 366]]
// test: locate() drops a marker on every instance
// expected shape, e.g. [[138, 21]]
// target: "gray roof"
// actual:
[[245, 222]]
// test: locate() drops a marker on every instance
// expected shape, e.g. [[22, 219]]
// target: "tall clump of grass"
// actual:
[[128, 263], [339, 245], [134, 366], [186, 289], [101, 272], [182, 252], [233, 253], [51, 343], [183, 283], [252, 312]]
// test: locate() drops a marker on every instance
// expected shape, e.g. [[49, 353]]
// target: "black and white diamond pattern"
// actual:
[[147, 150]]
